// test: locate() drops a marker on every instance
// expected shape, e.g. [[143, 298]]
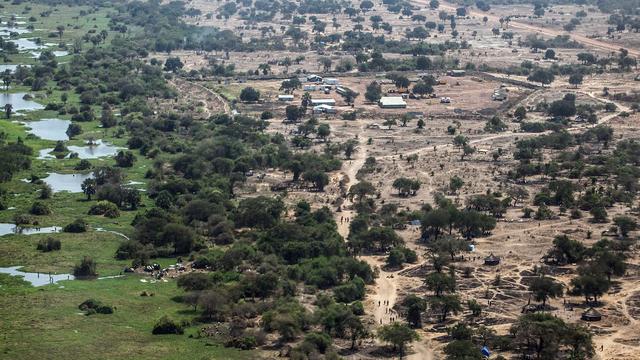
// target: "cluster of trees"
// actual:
[[476, 220], [596, 264]]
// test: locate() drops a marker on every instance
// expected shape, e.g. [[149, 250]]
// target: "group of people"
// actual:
[[387, 310]]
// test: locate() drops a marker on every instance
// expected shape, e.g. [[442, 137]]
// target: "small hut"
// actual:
[[591, 315], [492, 260]]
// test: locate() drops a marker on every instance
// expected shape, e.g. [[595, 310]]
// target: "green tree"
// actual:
[[318, 178], [544, 288], [294, 113], [520, 113], [323, 131], [415, 307], [361, 190], [444, 305], [349, 147], [544, 77], [422, 88], [89, 187], [249, 94], [173, 64], [575, 80], [398, 335], [591, 282], [462, 350], [440, 283], [373, 92], [625, 224], [8, 110]]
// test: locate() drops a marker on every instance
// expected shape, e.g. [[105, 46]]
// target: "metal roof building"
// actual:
[[316, 102], [392, 102]]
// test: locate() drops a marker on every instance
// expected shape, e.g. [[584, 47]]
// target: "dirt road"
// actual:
[[593, 43], [213, 101], [386, 285]]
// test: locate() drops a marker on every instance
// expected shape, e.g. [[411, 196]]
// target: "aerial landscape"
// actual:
[[319, 179]]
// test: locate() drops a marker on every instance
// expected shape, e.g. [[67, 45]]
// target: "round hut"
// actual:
[[492, 260], [591, 315]]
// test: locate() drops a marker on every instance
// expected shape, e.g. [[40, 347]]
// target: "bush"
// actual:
[[352, 291], [167, 326], [396, 258], [77, 226], [349, 115], [46, 192], [357, 308], [49, 244], [84, 164], [266, 115], [86, 268], [21, 219], [249, 94], [125, 159], [106, 208], [400, 255], [320, 341], [243, 343], [40, 208], [92, 306]]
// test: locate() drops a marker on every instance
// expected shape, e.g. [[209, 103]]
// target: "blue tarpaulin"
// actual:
[[485, 351]]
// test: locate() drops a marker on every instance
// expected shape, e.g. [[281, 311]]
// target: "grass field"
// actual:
[[46, 322]]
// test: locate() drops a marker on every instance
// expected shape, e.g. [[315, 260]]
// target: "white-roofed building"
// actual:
[[392, 102], [316, 102]]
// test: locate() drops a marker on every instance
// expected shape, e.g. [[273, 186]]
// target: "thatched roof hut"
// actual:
[[591, 315], [492, 260]]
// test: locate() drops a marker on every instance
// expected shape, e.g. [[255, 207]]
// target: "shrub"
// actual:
[[351, 291], [40, 208], [49, 244], [84, 164], [243, 343], [321, 341], [86, 268], [357, 308], [125, 159], [167, 326], [92, 306], [266, 115], [349, 115], [249, 94], [21, 219], [77, 226], [46, 192], [106, 208]]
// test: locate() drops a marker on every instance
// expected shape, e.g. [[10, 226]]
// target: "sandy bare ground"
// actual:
[[213, 102], [534, 29], [385, 290]]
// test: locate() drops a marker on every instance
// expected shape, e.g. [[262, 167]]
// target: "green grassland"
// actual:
[[46, 322]]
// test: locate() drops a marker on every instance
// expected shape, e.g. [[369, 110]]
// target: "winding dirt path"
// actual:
[[212, 100], [386, 285]]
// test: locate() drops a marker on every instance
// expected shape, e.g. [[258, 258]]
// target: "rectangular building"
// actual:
[[316, 102], [392, 102], [285, 97]]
